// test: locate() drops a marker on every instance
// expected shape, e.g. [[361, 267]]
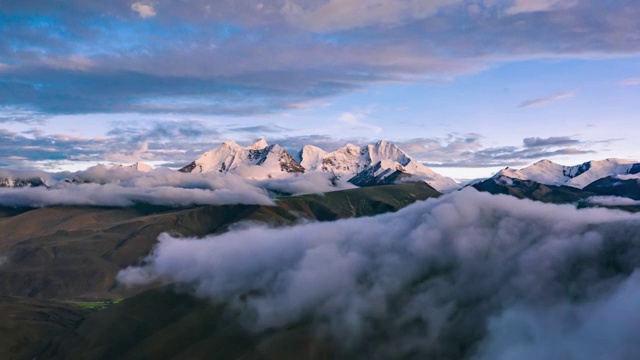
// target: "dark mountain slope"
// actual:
[[532, 190], [76, 252], [611, 186]]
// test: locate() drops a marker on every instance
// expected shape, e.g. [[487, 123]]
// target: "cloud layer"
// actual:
[[467, 150], [468, 275], [210, 56], [121, 187]]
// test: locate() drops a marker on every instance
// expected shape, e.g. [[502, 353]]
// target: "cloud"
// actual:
[[162, 130], [260, 129], [630, 81], [354, 120], [551, 141], [143, 10], [308, 183], [118, 196], [467, 150], [465, 274], [121, 187], [613, 201], [527, 6], [139, 154], [567, 330], [208, 58], [545, 100], [337, 15], [9, 114]]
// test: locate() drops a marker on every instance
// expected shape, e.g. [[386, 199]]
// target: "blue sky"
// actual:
[[466, 86]]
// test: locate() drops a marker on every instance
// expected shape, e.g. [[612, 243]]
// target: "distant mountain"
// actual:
[[624, 186], [140, 167], [578, 176], [374, 164], [529, 189], [258, 161], [17, 182], [550, 182], [19, 179]]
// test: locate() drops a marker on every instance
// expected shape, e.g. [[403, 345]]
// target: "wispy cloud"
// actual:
[[143, 10], [551, 141], [527, 6], [630, 81], [355, 121], [546, 100], [468, 150]]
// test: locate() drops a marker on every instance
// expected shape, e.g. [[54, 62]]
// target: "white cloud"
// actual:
[[120, 196], [629, 81], [309, 183], [603, 329], [336, 15], [141, 153], [548, 99], [431, 275], [527, 6], [354, 120], [613, 201], [143, 10], [121, 186]]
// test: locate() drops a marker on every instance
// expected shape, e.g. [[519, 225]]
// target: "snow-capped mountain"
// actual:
[[373, 164], [140, 167], [13, 182], [621, 186], [578, 176], [311, 157], [22, 179], [350, 159], [258, 161]]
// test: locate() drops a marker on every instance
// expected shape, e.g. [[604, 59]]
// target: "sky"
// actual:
[[465, 86]]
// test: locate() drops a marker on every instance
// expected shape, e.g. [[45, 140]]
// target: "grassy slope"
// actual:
[[76, 252], [29, 326], [163, 324]]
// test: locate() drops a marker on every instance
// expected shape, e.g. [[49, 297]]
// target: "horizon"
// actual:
[[460, 174]]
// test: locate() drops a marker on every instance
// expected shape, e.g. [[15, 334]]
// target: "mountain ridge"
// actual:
[[378, 163]]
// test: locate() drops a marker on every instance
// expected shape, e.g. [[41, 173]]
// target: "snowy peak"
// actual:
[[350, 159], [389, 171], [380, 163], [20, 179], [347, 160], [258, 161], [384, 150], [311, 157], [8, 182], [578, 176], [258, 145], [139, 166]]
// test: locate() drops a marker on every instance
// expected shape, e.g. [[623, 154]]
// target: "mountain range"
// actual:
[[551, 182], [375, 164], [383, 163]]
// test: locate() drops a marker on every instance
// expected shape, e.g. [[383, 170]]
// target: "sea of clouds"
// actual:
[[468, 275], [120, 186]]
